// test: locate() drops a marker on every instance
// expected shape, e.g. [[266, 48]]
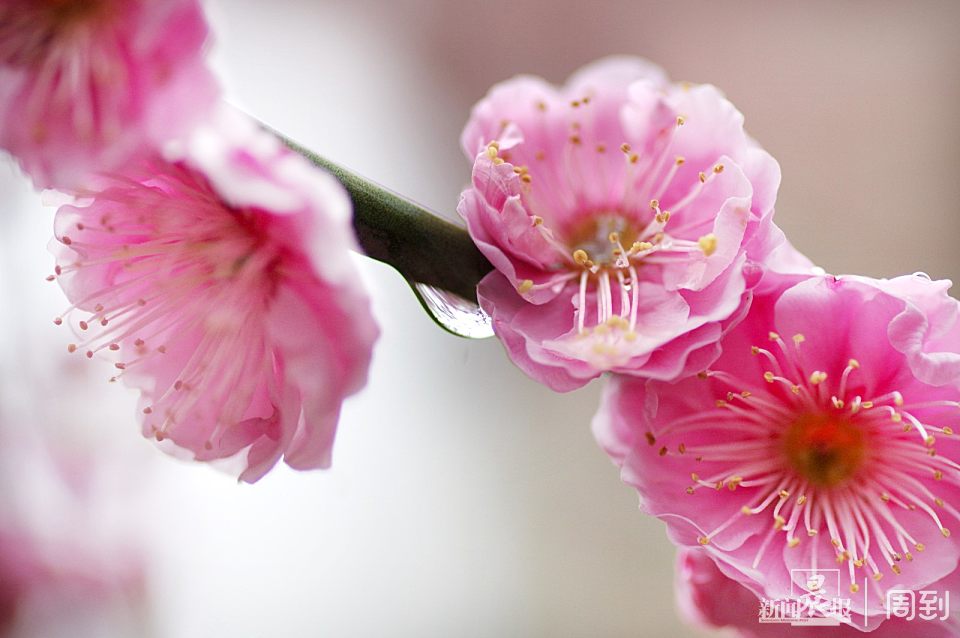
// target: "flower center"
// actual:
[[29, 29], [825, 450], [595, 236]]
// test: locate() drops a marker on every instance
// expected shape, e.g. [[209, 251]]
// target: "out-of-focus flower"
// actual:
[[626, 218], [86, 85], [68, 567], [66, 586], [223, 286], [708, 598], [816, 440]]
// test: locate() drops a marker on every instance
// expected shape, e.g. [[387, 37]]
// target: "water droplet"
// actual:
[[454, 313]]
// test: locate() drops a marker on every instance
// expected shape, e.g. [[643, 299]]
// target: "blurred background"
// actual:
[[465, 500]]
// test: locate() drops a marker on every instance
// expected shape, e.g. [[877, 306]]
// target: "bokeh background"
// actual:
[[465, 500]]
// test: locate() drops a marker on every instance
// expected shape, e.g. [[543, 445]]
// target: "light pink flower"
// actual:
[[710, 599], [815, 440], [223, 284], [87, 85], [626, 219]]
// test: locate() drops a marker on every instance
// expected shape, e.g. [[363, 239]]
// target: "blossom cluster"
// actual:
[[778, 419], [205, 261]]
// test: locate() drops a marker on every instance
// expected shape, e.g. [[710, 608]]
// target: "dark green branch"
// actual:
[[422, 246]]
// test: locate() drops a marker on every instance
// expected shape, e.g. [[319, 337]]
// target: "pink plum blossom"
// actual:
[[221, 285], [822, 437], [627, 220], [710, 599], [88, 85]]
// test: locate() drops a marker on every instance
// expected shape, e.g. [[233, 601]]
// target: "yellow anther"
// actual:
[[801, 499], [718, 168], [580, 257], [920, 547], [754, 350], [640, 246], [817, 377], [703, 540], [937, 475], [614, 237], [878, 577], [768, 376], [525, 286], [896, 569], [784, 494], [799, 338], [773, 336], [854, 588], [679, 161], [853, 363], [779, 522], [654, 204], [681, 120], [708, 244], [945, 532], [793, 542], [625, 147], [948, 430], [702, 176], [746, 511]]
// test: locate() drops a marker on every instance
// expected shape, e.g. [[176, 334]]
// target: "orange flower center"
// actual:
[[826, 450]]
